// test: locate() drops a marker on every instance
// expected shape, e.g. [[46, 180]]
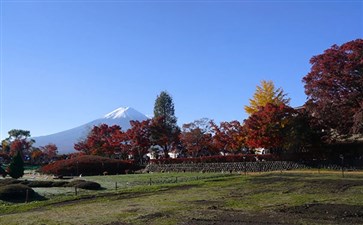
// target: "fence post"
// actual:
[[176, 179], [342, 158], [150, 181], [75, 191], [116, 186]]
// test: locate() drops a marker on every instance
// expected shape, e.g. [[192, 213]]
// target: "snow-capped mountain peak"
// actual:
[[125, 112], [65, 140], [117, 113]]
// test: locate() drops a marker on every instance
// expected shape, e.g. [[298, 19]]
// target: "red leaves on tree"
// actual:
[[19, 145], [103, 140], [229, 136], [164, 134], [265, 128], [138, 138], [50, 150], [197, 138], [37, 155], [107, 141], [335, 88]]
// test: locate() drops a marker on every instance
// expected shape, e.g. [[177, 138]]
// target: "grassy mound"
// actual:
[[15, 192]]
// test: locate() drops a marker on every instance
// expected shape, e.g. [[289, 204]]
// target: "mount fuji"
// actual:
[[65, 140]]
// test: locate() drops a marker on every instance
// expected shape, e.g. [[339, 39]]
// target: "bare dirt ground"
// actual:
[[314, 213], [305, 214]]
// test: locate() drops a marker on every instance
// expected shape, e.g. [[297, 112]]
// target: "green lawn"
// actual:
[[299, 197]]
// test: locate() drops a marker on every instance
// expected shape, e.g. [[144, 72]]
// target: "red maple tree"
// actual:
[[266, 128], [164, 135], [196, 138], [138, 139], [103, 140], [229, 136], [334, 87], [50, 150]]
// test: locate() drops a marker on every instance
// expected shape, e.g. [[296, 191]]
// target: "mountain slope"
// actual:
[[65, 140]]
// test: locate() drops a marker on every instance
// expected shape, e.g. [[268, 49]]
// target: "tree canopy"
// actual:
[[229, 137], [138, 139], [18, 140], [164, 129], [266, 93], [267, 127], [334, 87], [164, 107], [196, 138], [18, 134], [103, 140]]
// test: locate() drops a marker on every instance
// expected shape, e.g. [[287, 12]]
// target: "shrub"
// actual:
[[39, 183], [87, 165], [88, 185], [74, 183], [59, 184], [4, 182], [16, 167], [15, 192]]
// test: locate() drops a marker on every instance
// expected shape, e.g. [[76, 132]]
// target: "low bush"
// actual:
[[59, 184], [217, 159], [8, 181], [39, 183], [88, 185], [33, 183], [15, 192], [87, 165], [74, 183]]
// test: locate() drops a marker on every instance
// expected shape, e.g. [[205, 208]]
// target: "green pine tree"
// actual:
[[164, 107], [164, 128], [2, 172], [16, 167]]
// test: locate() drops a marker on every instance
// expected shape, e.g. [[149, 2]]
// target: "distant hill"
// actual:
[[65, 140]]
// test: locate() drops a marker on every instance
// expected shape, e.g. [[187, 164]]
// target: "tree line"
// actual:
[[332, 113]]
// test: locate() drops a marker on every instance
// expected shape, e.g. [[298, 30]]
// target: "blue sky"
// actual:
[[65, 63]]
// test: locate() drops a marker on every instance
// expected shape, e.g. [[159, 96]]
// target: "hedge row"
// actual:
[[87, 165], [217, 159], [89, 185]]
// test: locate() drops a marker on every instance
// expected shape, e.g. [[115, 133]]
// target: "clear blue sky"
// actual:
[[64, 63]]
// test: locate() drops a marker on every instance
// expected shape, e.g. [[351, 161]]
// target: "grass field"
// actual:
[[294, 197]]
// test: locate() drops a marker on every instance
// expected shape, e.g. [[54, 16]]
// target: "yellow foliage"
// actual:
[[266, 93]]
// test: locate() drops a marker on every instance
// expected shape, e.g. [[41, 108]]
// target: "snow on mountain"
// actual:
[[65, 140]]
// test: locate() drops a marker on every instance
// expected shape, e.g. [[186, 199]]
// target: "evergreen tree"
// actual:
[[2, 171], [164, 130], [16, 167], [164, 107]]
